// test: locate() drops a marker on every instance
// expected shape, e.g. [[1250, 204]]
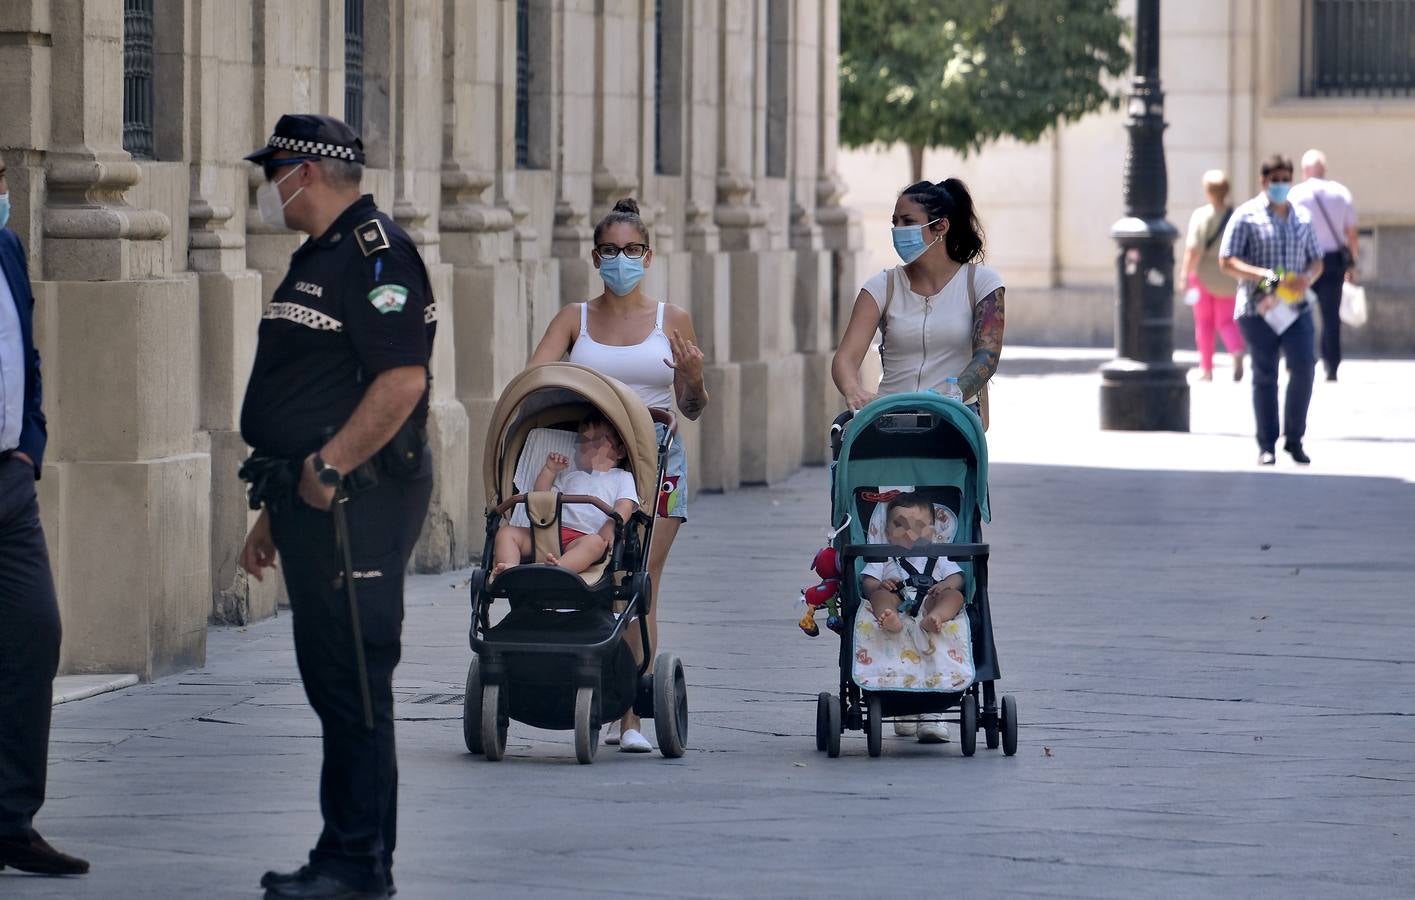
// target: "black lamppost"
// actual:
[[1142, 389]]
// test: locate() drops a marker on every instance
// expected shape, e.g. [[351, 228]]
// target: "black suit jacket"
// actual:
[[15, 268]]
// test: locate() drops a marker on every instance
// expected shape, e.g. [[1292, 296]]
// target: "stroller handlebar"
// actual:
[[511, 502], [883, 552]]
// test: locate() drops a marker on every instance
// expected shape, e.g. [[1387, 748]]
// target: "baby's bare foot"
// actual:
[[932, 623], [498, 569], [552, 560], [889, 621]]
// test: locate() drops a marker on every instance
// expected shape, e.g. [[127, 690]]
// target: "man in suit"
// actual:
[[29, 613]]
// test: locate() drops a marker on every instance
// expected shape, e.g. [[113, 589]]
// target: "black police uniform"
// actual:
[[355, 302]]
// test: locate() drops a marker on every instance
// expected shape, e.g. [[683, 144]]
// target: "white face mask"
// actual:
[[267, 200]]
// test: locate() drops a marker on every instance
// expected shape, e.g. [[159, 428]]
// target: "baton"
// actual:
[[341, 537]]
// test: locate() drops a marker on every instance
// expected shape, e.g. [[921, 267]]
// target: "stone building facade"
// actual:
[[1242, 79], [497, 133]]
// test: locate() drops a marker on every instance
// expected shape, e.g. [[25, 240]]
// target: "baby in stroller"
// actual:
[[932, 589], [586, 532]]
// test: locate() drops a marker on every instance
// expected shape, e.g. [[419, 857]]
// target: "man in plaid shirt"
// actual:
[[1265, 235]]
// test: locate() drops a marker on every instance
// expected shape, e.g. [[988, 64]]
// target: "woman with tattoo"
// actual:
[[939, 316], [651, 347], [930, 328]]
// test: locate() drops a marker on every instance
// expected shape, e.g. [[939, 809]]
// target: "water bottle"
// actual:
[[951, 390]]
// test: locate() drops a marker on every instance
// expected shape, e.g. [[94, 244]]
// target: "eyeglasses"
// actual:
[[1279, 179], [270, 165], [632, 251]]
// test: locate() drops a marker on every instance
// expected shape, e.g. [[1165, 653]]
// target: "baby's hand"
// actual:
[[890, 584], [556, 462]]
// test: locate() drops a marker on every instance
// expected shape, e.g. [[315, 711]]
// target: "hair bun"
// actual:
[[627, 205]]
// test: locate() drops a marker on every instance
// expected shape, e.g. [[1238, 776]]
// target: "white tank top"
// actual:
[[641, 366]]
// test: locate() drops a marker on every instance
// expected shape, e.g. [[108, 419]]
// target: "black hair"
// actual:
[[595, 417], [626, 211], [949, 199], [909, 500], [1276, 163]]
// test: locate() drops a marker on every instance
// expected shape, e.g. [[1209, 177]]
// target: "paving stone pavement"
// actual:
[[1213, 665]]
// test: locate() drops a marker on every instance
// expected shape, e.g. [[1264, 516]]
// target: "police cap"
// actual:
[[315, 135]]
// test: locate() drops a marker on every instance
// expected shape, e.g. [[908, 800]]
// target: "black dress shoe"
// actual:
[[1266, 458], [303, 873], [317, 886], [32, 853], [1297, 454]]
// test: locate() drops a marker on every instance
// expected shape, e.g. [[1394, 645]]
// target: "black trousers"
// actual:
[[358, 784], [1328, 290], [29, 649]]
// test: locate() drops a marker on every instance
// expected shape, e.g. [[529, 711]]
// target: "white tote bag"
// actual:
[[1353, 304]]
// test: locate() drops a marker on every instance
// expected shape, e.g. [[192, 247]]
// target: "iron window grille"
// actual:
[[354, 64], [1358, 48], [523, 84], [137, 78]]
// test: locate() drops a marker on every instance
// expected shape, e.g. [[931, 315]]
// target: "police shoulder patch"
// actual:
[[371, 237], [388, 298]]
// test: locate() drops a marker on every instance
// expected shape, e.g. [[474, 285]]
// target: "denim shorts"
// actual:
[[673, 493]]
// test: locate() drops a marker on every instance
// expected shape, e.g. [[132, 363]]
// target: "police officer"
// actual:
[[335, 414]]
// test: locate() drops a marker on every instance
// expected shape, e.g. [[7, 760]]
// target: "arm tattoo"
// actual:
[[987, 344]]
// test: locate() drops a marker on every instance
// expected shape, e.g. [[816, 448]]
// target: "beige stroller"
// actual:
[[557, 659]]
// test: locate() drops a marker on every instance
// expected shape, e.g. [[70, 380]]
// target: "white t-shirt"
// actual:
[[929, 338], [611, 487], [892, 569], [1320, 194]]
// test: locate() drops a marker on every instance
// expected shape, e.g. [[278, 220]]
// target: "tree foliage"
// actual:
[[958, 74]]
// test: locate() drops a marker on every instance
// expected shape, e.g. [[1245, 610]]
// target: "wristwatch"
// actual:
[[327, 474]]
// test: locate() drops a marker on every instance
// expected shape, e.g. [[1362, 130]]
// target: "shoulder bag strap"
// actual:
[[1218, 233], [1340, 238]]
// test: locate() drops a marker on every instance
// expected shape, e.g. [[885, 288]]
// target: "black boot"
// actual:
[[31, 853]]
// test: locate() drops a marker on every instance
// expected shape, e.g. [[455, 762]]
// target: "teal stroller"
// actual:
[[931, 449]]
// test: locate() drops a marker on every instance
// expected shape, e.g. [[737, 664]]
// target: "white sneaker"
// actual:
[[633, 742], [906, 726], [933, 732], [611, 733]]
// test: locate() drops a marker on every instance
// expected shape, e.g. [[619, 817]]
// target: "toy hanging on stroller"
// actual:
[[927, 451], [557, 659]]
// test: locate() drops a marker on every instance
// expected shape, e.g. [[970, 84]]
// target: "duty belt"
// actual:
[[273, 480]]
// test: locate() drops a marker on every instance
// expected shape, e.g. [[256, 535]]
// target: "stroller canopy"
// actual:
[[963, 421], [554, 395]]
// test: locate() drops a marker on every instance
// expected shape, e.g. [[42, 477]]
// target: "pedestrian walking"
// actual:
[[650, 346], [335, 414], [939, 316], [1205, 283], [1333, 213], [29, 611], [1270, 247]]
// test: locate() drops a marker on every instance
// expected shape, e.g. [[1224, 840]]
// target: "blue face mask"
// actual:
[[621, 274], [4, 210], [909, 241], [1277, 191]]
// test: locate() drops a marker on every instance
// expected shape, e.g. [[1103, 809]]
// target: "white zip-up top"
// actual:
[[930, 338]]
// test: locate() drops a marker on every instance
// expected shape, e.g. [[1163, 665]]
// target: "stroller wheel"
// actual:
[[874, 725], [493, 724], [670, 705], [822, 720], [586, 724], [1009, 724], [968, 724], [832, 737], [471, 708]]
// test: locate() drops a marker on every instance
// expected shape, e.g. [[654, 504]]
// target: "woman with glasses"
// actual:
[[650, 346]]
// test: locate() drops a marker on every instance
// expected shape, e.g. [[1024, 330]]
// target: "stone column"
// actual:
[[218, 62], [488, 324], [126, 486], [414, 113]]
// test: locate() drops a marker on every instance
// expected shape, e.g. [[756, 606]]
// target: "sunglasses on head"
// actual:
[[271, 165]]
